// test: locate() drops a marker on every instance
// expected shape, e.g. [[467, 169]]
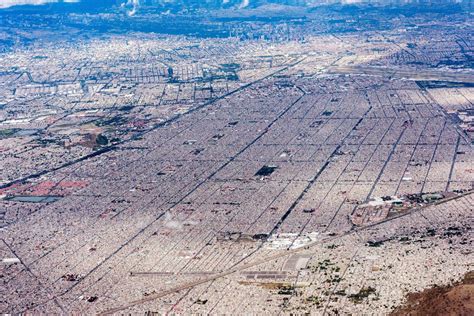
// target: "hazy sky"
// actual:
[[9, 3]]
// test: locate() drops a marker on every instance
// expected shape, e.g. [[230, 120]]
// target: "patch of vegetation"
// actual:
[[313, 299], [201, 302], [340, 292], [230, 67], [126, 108], [336, 279], [4, 133], [286, 290], [374, 243], [363, 293], [114, 121], [326, 265], [101, 140], [453, 231], [431, 232], [323, 265]]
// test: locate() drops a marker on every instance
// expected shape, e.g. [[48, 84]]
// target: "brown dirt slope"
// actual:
[[451, 300]]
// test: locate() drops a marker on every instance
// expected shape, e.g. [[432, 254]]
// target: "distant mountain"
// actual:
[[134, 6]]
